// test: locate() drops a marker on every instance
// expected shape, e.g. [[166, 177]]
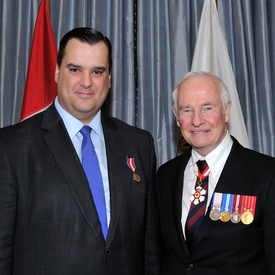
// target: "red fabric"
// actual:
[[40, 87]]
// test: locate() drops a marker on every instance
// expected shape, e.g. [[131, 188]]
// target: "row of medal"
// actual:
[[234, 208]]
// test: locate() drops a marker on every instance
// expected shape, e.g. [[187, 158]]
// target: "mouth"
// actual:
[[85, 93], [201, 132]]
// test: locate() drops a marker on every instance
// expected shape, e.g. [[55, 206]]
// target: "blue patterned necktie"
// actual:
[[91, 167], [198, 206]]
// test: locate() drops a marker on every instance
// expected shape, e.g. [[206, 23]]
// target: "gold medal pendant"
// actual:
[[136, 177], [249, 206], [225, 216], [247, 218]]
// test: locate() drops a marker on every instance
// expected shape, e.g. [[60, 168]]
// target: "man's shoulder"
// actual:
[[250, 156], [174, 163], [27, 129], [33, 122], [24, 125], [119, 125], [260, 158]]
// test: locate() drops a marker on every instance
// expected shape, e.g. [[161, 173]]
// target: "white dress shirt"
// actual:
[[215, 160]]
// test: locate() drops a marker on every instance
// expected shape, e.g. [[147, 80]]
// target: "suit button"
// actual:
[[190, 267], [108, 250]]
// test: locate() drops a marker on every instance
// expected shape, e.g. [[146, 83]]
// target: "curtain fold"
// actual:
[[166, 35], [249, 29]]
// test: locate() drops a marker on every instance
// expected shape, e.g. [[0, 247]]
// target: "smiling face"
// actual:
[[83, 79], [200, 114]]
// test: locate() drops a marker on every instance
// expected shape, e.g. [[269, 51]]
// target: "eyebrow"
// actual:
[[208, 103], [96, 68], [100, 68], [203, 105], [73, 65]]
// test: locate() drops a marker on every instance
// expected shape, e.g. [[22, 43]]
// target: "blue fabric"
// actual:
[[91, 167]]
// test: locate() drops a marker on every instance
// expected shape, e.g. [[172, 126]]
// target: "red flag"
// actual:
[[40, 87]]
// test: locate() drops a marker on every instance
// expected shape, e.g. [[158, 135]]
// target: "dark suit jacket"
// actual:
[[48, 221], [221, 247]]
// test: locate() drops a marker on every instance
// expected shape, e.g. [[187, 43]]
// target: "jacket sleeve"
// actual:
[[152, 238], [8, 202]]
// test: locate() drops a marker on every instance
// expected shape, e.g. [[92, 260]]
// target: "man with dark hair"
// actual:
[[77, 188]]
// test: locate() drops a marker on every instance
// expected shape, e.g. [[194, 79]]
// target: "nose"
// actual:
[[86, 81], [197, 118]]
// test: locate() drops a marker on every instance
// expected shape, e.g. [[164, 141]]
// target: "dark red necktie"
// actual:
[[198, 204]]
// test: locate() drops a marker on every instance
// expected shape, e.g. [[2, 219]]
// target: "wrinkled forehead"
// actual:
[[199, 86]]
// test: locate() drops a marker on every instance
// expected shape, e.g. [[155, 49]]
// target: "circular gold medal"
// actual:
[[247, 218], [225, 216], [235, 217], [136, 177], [215, 214]]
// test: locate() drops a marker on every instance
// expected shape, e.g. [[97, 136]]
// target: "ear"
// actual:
[[227, 112], [56, 73], [176, 116]]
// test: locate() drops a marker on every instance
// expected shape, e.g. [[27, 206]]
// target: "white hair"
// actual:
[[225, 97]]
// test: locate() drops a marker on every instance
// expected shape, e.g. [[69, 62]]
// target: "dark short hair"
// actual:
[[87, 35]]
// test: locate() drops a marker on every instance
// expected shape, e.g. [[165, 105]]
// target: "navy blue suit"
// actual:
[[221, 247]]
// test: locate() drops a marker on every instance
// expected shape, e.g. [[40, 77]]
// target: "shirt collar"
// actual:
[[96, 125], [217, 157], [73, 125]]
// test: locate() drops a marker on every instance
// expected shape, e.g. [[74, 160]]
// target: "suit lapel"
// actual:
[[178, 189], [66, 158], [117, 174]]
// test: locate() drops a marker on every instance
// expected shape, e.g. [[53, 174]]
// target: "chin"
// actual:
[[199, 145]]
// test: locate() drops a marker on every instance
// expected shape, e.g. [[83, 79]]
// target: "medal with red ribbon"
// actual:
[[131, 164], [198, 195], [248, 208], [236, 216]]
